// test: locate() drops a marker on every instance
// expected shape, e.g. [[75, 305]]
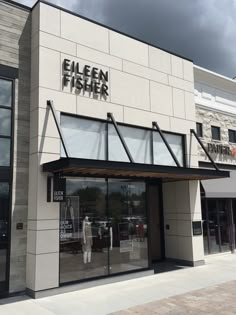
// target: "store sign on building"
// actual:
[[85, 78], [221, 149], [59, 189]]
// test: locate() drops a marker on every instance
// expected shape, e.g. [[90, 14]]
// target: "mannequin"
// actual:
[[87, 240]]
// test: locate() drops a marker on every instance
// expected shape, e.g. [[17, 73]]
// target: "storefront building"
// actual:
[[215, 99], [99, 172]]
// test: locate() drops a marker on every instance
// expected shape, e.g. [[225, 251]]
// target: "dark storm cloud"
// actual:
[[202, 30]]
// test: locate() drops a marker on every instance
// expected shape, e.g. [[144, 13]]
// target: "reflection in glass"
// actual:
[[85, 138], [116, 151], [3, 260], [4, 210], [5, 122], [128, 224], [161, 154], [217, 224], [5, 145], [5, 92], [224, 225], [205, 227], [83, 252], [137, 140], [99, 237], [213, 227]]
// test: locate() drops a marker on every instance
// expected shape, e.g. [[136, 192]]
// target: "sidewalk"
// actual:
[[124, 295], [219, 299]]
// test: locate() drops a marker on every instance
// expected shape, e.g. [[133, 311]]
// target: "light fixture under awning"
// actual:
[[221, 188], [99, 168]]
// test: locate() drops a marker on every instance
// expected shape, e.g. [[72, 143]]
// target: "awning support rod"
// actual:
[[155, 124], [51, 106], [110, 116], [204, 149]]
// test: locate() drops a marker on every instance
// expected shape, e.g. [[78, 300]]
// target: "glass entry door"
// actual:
[[128, 225], [103, 228], [83, 244], [4, 237], [216, 225]]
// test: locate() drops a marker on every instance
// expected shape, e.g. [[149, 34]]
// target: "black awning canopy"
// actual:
[[86, 167]]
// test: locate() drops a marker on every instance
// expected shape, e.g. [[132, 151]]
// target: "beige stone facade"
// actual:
[[145, 84]]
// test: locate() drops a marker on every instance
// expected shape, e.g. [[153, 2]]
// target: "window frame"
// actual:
[[11, 109], [218, 129], [183, 136], [6, 172], [234, 135], [199, 124]]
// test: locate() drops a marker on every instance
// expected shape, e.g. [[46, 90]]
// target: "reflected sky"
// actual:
[[5, 152], [5, 93], [5, 122]]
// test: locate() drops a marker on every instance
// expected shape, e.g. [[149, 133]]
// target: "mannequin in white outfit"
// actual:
[[87, 240]]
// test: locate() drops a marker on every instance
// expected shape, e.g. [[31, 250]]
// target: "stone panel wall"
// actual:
[[15, 29], [208, 118], [146, 84]]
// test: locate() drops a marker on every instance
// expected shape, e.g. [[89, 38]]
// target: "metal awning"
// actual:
[[221, 188], [86, 167], [99, 168]]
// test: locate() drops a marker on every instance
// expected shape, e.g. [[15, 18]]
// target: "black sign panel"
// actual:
[[59, 189], [197, 227]]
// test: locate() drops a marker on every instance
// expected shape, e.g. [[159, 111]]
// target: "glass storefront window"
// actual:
[[5, 93], [161, 154], [82, 252], [205, 227], [4, 211], [6, 89], [213, 226], [127, 214], [5, 147], [116, 151], [103, 228], [5, 122], [137, 140], [85, 138], [216, 225], [224, 225]]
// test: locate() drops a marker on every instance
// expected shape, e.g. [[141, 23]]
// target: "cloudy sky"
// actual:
[[202, 30]]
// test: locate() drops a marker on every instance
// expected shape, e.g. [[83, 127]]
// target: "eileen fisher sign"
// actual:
[[86, 78]]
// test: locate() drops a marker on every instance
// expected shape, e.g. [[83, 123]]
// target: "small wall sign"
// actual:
[[59, 189], [19, 226], [197, 227]]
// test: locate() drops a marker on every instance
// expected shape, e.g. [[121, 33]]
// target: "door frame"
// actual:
[[158, 184]]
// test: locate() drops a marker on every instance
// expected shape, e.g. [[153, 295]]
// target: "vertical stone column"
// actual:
[[42, 271], [181, 202]]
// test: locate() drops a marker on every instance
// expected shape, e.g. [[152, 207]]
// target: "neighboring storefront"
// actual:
[[215, 99], [15, 30], [99, 171]]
